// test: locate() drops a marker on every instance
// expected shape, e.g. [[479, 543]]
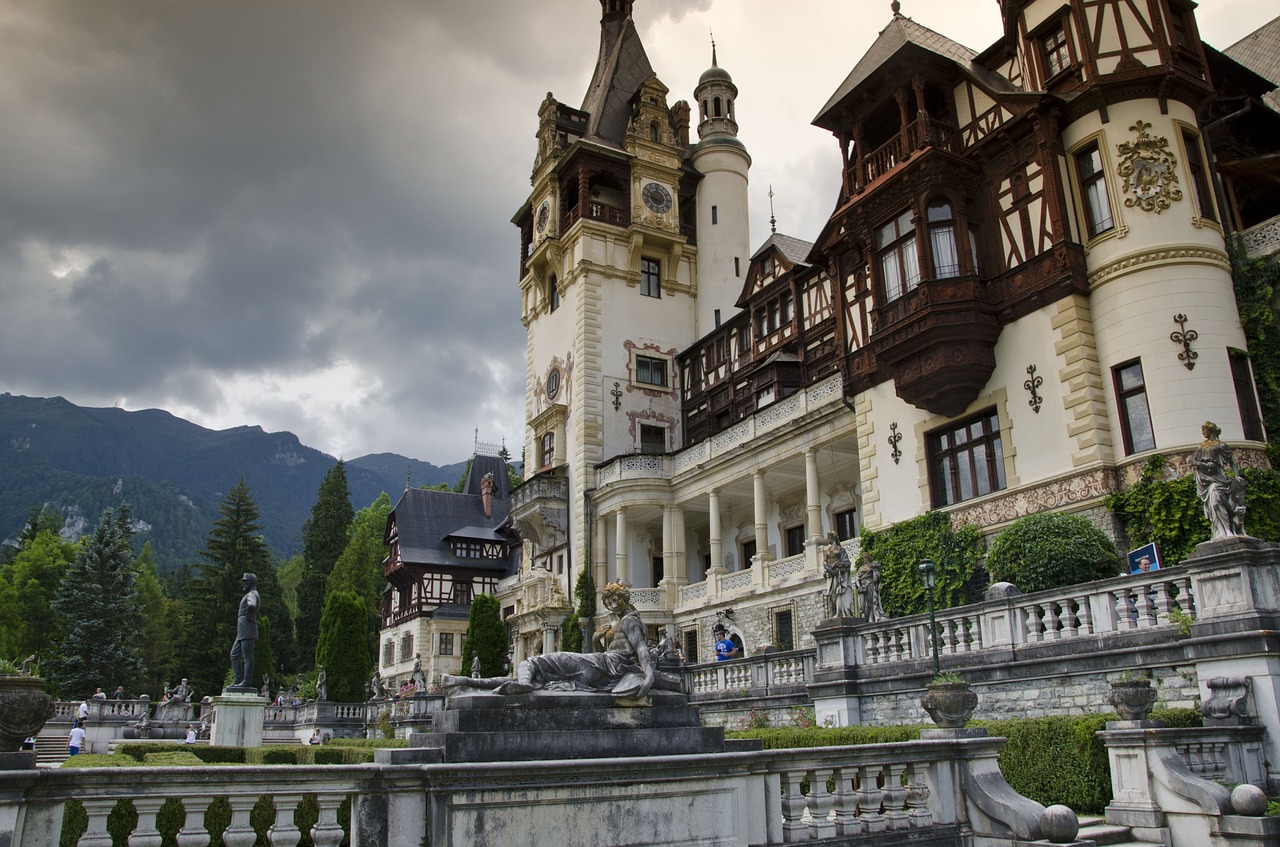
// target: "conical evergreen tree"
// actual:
[[486, 637], [342, 649], [233, 548], [324, 539], [101, 614]]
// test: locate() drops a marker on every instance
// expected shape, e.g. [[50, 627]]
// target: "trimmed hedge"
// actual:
[[206, 753], [101, 760], [783, 738], [370, 743]]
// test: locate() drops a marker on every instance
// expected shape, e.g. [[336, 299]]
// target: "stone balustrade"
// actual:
[[765, 797], [760, 675]]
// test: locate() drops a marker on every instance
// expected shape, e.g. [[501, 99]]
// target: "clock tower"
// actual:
[[631, 240]]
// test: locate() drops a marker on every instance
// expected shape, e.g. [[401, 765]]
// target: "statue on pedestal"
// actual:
[[246, 634], [867, 586], [836, 568], [1219, 484], [322, 685], [419, 678]]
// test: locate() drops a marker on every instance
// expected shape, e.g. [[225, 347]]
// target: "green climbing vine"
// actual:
[[1167, 511], [900, 549]]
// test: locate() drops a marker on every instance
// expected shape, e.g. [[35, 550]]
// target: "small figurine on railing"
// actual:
[[375, 686], [322, 685], [1219, 484], [419, 678], [837, 569]]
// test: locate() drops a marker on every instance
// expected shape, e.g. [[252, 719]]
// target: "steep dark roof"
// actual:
[[900, 34], [424, 521], [481, 465], [794, 250], [1259, 51], [621, 68]]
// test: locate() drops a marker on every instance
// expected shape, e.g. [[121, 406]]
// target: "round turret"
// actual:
[[715, 94]]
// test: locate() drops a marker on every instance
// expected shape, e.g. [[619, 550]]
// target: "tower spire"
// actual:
[[773, 222]]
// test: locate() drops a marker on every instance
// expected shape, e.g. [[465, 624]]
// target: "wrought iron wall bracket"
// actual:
[[895, 439], [1185, 336], [1033, 386]]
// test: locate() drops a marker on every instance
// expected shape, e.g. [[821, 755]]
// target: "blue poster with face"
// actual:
[[1144, 559]]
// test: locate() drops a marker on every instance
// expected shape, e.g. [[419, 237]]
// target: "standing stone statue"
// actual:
[[624, 669], [375, 686], [1219, 484], [836, 568], [867, 586], [26, 665], [246, 634], [265, 691], [419, 678], [322, 685], [475, 666]]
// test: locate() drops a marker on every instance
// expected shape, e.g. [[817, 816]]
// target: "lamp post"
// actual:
[[929, 576]]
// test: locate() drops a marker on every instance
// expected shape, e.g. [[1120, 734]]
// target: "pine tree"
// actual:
[[584, 593], [342, 646], [232, 549], [486, 637], [159, 627], [101, 614], [324, 539]]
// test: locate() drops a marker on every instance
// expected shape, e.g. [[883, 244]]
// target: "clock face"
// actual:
[[657, 197], [544, 213]]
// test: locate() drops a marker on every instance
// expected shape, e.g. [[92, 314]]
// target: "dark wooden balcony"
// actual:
[[920, 134]]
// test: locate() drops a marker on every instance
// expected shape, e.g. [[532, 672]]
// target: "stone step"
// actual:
[[1103, 834], [51, 749]]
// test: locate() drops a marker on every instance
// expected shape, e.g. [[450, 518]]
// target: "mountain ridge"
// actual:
[[173, 473]]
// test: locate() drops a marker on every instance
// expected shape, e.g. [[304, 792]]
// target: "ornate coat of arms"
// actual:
[[1147, 168]]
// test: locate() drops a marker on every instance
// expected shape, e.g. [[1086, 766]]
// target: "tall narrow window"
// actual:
[[547, 450], [446, 644], [737, 266], [845, 524], [899, 264], [942, 240], [966, 460], [691, 646], [653, 439], [650, 277], [784, 630], [1135, 416], [748, 553], [715, 215], [1199, 176], [1093, 191], [1246, 397], [553, 293], [795, 540], [716, 102], [1057, 56]]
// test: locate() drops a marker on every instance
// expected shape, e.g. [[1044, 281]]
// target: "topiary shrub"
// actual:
[[1052, 550]]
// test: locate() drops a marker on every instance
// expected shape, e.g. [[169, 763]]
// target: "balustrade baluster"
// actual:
[[95, 832], [145, 833], [240, 833], [819, 805], [1084, 616], [1163, 602], [872, 643], [193, 832], [869, 798], [284, 832], [918, 797], [846, 803], [1070, 629], [1126, 613], [895, 798], [1219, 761], [793, 825], [1146, 608], [327, 832], [1053, 611], [948, 638], [1033, 623]]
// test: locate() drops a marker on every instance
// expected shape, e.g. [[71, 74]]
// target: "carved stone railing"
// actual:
[[1262, 239], [634, 466], [761, 675], [941, 791]]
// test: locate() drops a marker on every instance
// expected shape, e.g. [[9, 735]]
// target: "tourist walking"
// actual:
[[75, 741]]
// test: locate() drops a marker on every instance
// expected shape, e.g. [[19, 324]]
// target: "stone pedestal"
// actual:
[[834, 690], [545, 725], [237, 719]]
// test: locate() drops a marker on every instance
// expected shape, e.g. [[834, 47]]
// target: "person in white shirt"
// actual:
[[76, 740], [84, 710], [191, 734]]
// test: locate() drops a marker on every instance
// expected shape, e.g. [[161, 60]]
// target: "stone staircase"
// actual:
[[1103, 834], [51, 750]]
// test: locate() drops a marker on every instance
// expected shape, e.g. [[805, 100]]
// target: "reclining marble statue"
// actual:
[[626, 669]]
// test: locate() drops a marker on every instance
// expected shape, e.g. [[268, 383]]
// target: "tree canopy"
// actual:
[[324, 539], [486, 637], [343, 646]]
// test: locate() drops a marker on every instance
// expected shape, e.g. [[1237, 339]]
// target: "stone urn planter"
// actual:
[[1132, 698], [949, 702], [24, 709]]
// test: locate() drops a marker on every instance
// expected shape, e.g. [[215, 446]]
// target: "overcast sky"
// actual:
[[296, 213]]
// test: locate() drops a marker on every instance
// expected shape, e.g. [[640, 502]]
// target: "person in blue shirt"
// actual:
[[725, 648]]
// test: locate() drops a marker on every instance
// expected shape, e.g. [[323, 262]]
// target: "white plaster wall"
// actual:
[[898, 485]]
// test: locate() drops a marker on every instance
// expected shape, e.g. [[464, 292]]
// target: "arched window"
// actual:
[[704, 109], [716, 103], [653, 131], [942, 240], [729, 101]]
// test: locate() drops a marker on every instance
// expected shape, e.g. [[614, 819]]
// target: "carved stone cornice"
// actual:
[[1169, 255]]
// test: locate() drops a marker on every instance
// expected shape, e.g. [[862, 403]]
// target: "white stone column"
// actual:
[[620, 555], [762, 518], [811, 491], [668, 544], [600, 555], [680, 558], [717, 544]]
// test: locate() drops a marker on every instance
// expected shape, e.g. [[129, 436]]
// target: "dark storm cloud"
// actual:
[[196, 193]]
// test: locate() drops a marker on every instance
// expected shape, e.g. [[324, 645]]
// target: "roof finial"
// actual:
[[773, 222], [896, 7], [713, 47], [408, 475]]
